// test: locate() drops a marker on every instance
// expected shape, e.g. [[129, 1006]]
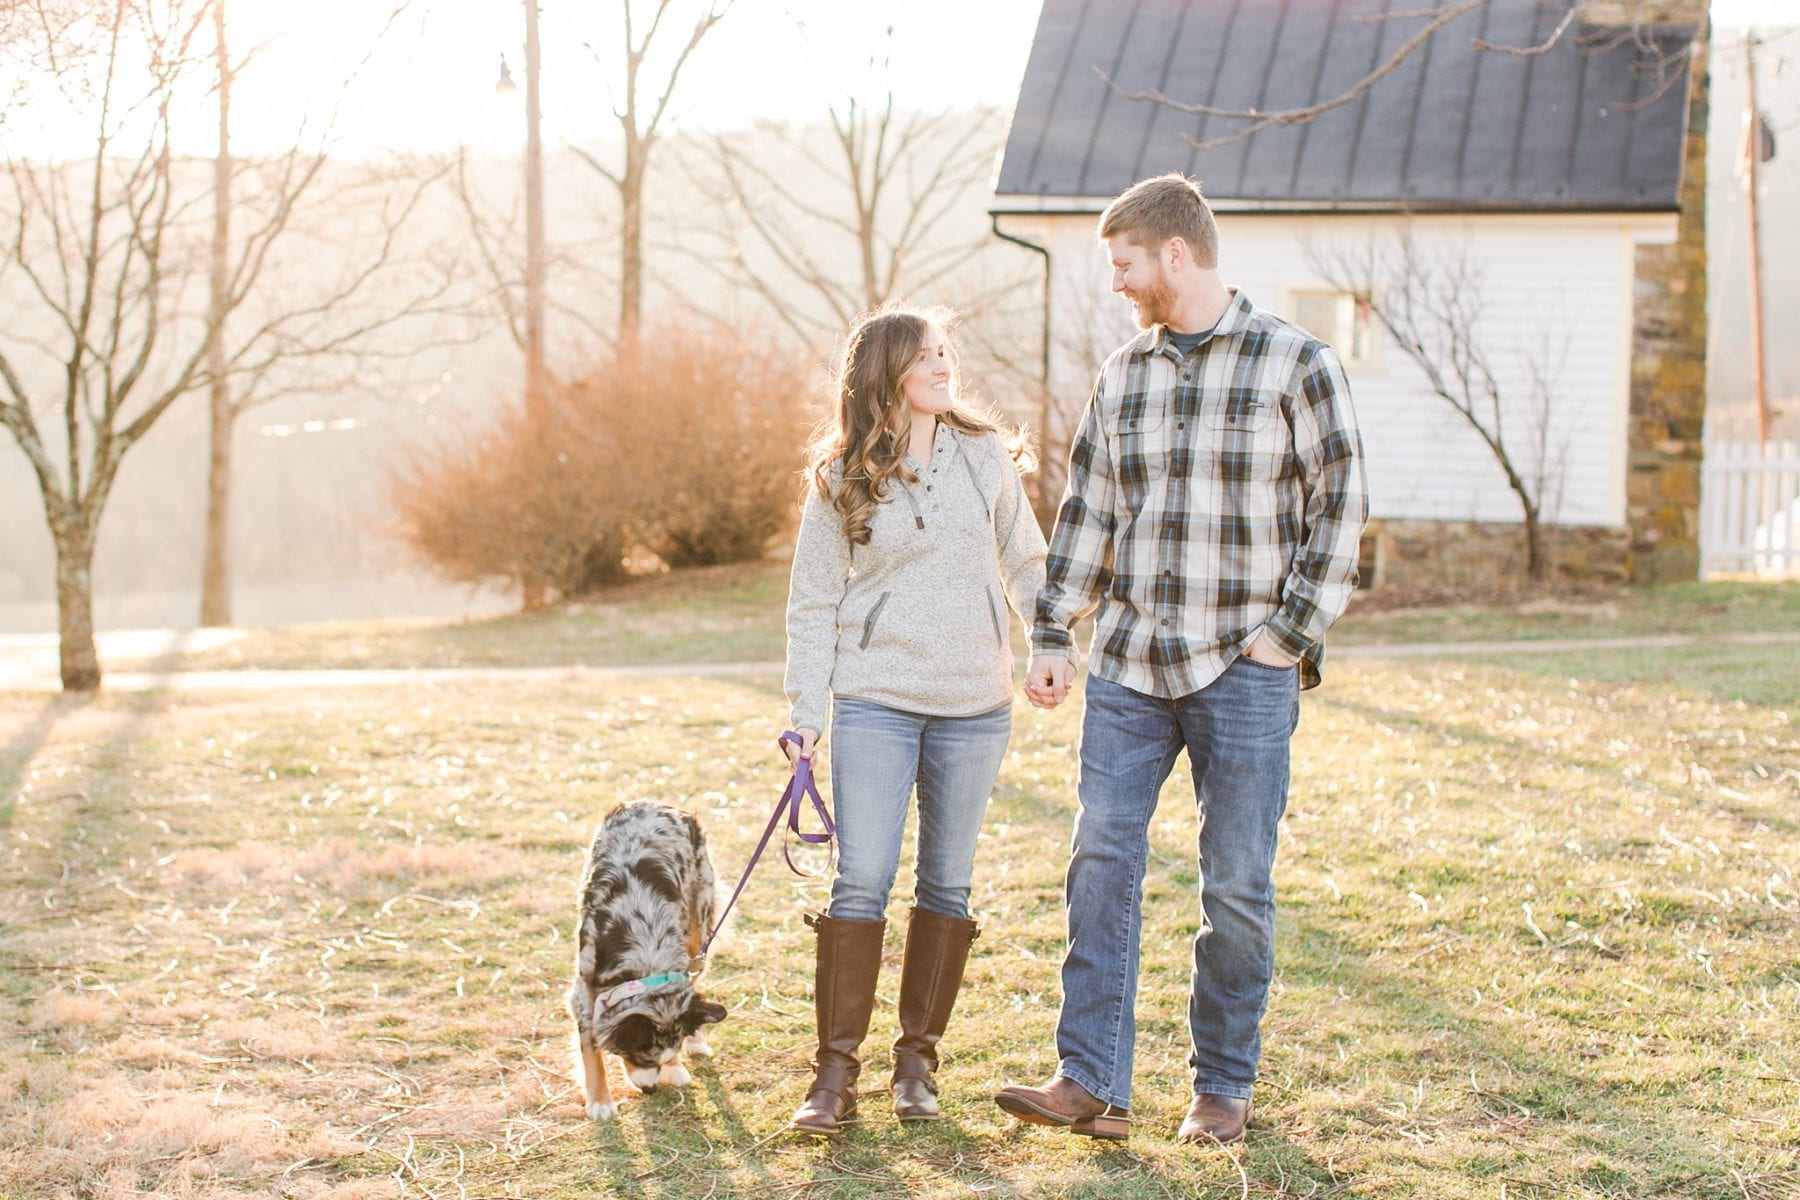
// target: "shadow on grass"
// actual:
[[1576, 1116], [1469, 734], [675, 1155], [105, 754], [23, 746]]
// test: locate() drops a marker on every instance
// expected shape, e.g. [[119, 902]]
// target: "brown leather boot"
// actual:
[[849, 958], [1065, 1104], [937, 949], [1218, 1119]]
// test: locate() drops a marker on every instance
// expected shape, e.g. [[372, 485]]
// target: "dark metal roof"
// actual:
[[1594, 123]]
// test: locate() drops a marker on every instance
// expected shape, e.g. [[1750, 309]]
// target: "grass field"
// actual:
[[1540, 935], [734, 614]]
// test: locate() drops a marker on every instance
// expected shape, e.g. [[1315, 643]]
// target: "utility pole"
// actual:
[[536, 393], [1753, 147]]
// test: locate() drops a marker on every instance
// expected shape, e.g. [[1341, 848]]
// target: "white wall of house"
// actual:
[[1557, 294]]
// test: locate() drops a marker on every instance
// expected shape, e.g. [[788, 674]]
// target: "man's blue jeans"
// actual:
[[1236, 732], [877, 754]]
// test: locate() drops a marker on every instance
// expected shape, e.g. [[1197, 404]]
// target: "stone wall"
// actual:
[[1475, 557]]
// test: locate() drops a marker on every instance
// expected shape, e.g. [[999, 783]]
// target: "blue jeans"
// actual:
[[877, 755], [1236, 733]]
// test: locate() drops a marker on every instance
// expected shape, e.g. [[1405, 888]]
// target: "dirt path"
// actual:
[[32, 675]]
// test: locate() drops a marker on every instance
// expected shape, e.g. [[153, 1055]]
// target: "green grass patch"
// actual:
[[1692, 609], [1762, 675], [1538, 931], [736, 614], [709, 614]]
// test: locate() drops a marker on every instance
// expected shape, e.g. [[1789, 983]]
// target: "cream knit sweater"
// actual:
[[915, 619]]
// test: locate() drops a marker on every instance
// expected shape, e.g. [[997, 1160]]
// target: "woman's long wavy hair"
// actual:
[[862, 448]]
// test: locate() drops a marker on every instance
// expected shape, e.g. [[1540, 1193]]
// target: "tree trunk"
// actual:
[[631, 257], [1537, 567], [215, 572], [215, 582], [80, 660]]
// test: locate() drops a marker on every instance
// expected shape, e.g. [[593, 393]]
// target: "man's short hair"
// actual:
[[1152, 211]]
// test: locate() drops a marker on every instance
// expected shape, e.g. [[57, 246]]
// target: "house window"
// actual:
[[1345, 320]]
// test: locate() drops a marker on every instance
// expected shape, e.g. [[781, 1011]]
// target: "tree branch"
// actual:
[[1259, 121]]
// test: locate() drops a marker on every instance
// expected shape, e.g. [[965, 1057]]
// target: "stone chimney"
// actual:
[[1668, 345]]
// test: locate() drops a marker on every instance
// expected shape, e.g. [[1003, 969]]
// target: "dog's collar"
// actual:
[[642, 987]]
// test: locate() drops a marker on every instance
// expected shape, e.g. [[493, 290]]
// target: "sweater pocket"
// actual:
[[869, 621], [994, 611], [931, 631]]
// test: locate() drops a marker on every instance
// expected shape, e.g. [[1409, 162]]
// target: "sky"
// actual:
[[428, 84], [423, 81]]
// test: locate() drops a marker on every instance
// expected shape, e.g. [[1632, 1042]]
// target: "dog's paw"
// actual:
[[601, 1112], [695, 1044], [676, 1075]]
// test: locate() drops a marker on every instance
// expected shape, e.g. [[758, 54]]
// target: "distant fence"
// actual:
[[1750, 510]]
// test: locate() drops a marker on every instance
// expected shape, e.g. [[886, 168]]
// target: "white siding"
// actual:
[[1542, 276]]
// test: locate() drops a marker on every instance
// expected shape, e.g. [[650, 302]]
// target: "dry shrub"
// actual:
[[711, 431], [688, 449], [519, 503]]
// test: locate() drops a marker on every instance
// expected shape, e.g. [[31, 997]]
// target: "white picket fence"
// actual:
[[1750, 510]]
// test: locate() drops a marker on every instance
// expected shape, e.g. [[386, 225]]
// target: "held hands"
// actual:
[[1047, 680]]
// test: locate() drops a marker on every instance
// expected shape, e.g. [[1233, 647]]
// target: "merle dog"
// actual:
[[647, 905]]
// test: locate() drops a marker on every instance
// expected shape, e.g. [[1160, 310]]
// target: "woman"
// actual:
[[915, 522]]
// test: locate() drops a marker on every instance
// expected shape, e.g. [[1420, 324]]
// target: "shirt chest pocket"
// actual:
[[1248, 432], [1241, 411], [1142, 450]]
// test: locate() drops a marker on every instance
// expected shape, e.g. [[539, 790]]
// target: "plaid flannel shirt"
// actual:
[[1209, 496]]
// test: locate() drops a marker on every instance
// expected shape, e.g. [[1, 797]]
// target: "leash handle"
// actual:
[[800, 786]]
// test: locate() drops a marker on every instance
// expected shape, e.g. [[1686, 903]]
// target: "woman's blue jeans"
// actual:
[[1236, 733], [877, 756]]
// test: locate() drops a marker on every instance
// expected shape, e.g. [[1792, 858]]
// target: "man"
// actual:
[[1214, 503]]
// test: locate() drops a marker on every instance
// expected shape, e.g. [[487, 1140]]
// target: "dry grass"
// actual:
[[1539, 936]]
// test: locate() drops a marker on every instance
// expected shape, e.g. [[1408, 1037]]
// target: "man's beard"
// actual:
[[1154, 305]]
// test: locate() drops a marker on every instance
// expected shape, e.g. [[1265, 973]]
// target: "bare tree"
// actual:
[[839, 219], [1432, 304], [1084, 334], [108, 242], [95, 238], [286, 325], [493, 225], [640, 103]]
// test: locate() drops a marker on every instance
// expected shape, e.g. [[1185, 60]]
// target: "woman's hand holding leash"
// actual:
[[809, 739]]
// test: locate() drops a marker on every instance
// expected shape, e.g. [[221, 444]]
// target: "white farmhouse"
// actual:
[[1530, 168]]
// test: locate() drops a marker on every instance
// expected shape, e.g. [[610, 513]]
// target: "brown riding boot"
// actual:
[[849, 958], [937, 949]]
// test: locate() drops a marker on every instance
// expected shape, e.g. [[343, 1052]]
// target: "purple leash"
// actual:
[[800, 787]]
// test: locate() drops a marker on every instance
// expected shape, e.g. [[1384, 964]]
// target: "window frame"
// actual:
[[1370, 359]]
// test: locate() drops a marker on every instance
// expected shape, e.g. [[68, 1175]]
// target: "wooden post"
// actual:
[[1752, 159]]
